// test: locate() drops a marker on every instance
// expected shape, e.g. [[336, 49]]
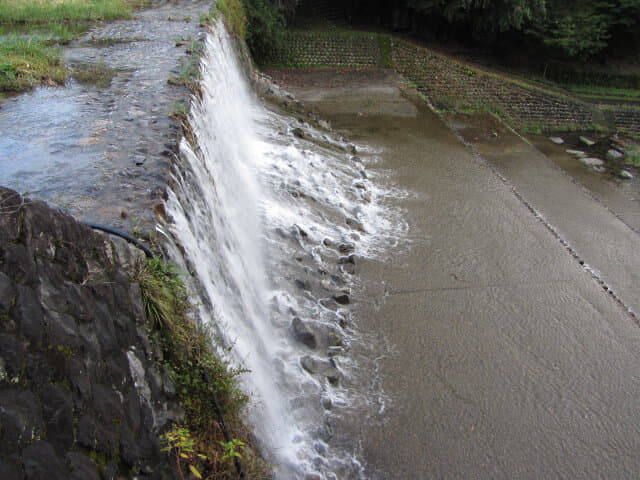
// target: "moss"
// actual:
[[385, 51]]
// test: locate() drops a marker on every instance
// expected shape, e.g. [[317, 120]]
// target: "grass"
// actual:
[[604, 92], [234, 15], [32, 31], [199, 443], [632, 156]]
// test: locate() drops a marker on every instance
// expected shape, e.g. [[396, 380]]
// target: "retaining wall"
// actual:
[[320, 49], [448, 84]]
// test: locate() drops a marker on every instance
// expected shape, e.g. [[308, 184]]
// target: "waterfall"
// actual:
[[266, 220]]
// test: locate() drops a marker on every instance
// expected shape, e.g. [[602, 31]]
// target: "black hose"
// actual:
[[216, 404], [223, 424], [147, 251]]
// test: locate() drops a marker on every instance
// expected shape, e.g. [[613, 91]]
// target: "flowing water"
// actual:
[[272, 214]]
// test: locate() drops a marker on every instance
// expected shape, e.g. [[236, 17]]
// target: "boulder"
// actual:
[[587, 141], [302, 333]]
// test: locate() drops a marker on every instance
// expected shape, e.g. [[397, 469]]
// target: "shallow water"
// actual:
[[505, 358]]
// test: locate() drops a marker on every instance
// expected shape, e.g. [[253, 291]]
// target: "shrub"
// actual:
[[265, 34]]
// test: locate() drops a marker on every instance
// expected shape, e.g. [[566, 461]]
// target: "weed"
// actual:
[[32, 30], [234, 16], [187, 353], [386, 60], [632, 155]]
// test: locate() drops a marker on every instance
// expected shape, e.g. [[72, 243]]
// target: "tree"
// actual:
[[483, 15]]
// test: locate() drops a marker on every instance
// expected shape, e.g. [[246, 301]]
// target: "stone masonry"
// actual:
[[77, 376]]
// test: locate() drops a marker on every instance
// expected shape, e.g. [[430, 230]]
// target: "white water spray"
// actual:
[[266, 221]]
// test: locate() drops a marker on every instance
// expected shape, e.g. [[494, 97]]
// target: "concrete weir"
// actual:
[[504, 358]]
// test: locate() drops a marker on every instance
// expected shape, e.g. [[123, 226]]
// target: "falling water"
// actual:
[[270, 213]]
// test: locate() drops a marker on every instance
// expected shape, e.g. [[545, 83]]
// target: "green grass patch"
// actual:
[[386, 60], [28, 61], [31, 32], [189, 73], [187, 352], [632, 156], [234, 16], [604, 92], [32, 12]]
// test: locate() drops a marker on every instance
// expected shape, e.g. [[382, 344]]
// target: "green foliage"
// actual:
[[32, 30], [181, 442], [187, 350], [234, 15], [189, 74], [483, 15], [26, 62], [232, 449], [386, 60], [266, 33], [55, 11], [632, 155]]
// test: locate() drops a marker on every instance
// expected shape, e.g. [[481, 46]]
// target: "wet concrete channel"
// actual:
[[506, 358]]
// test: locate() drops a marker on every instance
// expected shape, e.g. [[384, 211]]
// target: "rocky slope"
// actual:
[[75, 401]]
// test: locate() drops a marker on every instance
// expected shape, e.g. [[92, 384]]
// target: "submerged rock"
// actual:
[[309, 364], [587, 141], [576, 153], [302, 333], [613, 154], [592, 161]]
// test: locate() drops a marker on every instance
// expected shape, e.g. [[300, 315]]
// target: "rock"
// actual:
[[312, 476], [355, 224], [302, 333], [576, 153], [21, 419], [592, 162], [333, 376], [613, 154], [626, 174], [346, 247], [82, 467], [302, 284], [57, 410], [327, 404], [588, 142], [341, 299], [557, 140], [309, 364], [40, 460], [298, 132], [347, 259], [10, 468]]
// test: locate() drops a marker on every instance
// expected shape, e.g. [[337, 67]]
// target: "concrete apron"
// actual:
[[506, 358]]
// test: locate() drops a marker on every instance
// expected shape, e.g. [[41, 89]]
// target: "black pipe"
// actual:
[[124, 235], [223, 424], [216, 404]]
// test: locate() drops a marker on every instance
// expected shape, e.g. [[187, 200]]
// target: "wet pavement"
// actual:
[[506, 358], [100, 147]]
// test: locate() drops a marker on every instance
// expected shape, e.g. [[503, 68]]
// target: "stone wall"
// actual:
[[77, 379], [448, 84], [307, 49]]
